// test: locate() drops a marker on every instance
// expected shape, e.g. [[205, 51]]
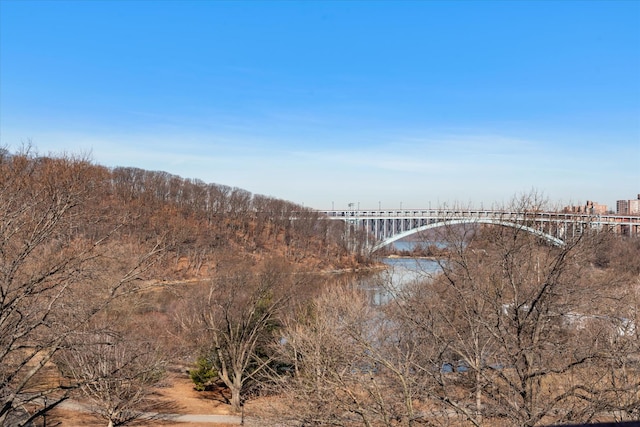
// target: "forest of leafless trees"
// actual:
[[110, 276], [512, 331]]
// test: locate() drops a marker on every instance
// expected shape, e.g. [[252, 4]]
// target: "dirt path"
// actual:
[[183, 407], [74, 406]]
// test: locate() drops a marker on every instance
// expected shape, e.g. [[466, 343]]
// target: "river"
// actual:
[[399, 272]]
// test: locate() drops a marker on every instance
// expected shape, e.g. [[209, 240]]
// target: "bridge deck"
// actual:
[[390, 225]]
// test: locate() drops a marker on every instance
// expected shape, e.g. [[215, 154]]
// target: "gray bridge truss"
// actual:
[[387, 226]]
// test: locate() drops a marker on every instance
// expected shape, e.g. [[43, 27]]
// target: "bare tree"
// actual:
[[234, 321], [511, 320], [48, 252], [347, 365], [115, 368], [322, 361]]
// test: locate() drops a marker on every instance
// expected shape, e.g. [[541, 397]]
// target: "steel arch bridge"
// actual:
[[388, 226]]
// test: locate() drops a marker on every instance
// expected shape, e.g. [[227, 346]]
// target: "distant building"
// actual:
[[628, 207], [590, 208]]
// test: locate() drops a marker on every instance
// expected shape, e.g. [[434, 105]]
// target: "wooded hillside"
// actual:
[[194, 221]]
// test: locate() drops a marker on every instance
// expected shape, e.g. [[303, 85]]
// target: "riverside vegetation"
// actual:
[[109, 276]]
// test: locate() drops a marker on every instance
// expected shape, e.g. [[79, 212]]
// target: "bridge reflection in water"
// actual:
[[387, 226]]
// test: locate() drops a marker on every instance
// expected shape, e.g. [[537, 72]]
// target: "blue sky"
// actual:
[[327, 103]]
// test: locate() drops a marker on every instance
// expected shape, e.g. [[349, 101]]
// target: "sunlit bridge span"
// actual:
[[387, 226]]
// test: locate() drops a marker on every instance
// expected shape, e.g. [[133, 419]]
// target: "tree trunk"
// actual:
[[478, 395], [235, 398]]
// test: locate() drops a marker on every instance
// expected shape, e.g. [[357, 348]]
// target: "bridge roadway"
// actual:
[[387, 226]]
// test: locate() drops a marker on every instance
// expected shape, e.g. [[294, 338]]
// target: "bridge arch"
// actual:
[[548, 237]]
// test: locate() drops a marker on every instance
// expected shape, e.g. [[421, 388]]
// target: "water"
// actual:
[[399, 273], [406, 270], [402, 245]]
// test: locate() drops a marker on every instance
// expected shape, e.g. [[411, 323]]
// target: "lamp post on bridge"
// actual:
[[349, 223]]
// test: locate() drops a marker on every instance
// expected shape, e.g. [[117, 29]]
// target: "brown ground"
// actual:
[[178, 397]]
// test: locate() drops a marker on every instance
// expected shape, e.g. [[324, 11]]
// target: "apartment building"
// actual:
[[628, 207], [590, 208]]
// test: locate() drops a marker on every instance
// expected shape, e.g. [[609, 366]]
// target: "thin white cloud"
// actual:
[[413, 170]]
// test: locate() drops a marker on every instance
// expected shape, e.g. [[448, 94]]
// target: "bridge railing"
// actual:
[[484, 213]]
